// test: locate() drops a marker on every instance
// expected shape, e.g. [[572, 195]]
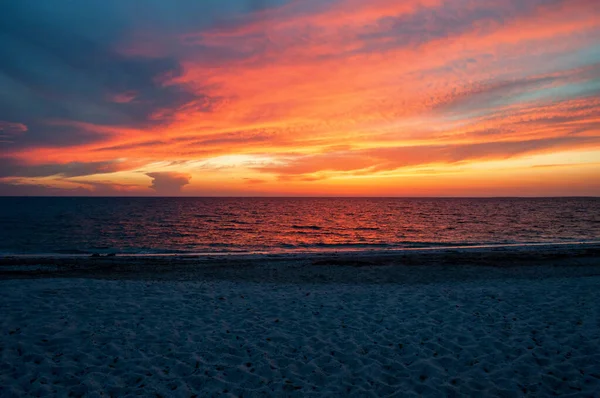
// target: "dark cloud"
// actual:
[[490, 95], [169, 183], [14, 168], [252, 42], [9, 189], [9, 131], [86, 188], [55, 66], [109, 189], [135, 145], [44, 135], [447, 19]]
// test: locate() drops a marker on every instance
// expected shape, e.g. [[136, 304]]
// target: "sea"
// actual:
[[172, 226]]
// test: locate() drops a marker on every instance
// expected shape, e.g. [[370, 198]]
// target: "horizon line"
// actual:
[[301, 197]]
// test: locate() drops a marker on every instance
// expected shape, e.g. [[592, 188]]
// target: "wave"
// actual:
[[313, 227], [290, 249], [234, 228], [71, 251]]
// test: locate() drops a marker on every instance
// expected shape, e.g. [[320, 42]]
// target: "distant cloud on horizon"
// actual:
[[169, 183]]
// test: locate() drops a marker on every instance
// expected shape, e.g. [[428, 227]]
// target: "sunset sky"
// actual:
[[300, 97]]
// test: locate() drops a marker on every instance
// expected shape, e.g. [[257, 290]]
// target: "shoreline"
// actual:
[[377, 249], [378, 266]]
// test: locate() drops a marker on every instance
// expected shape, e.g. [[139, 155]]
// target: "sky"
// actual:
[[300, 98]]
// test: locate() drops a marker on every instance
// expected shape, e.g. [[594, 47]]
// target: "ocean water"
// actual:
[[275, 225]]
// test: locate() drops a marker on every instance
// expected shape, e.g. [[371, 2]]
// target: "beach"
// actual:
[[446, 323]]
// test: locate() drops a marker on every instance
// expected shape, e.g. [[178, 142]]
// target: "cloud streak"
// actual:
[[392, 158], [324, 90]]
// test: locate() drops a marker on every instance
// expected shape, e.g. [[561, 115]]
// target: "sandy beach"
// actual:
[[323, 326]]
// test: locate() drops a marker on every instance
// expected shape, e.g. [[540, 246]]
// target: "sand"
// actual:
[[500, 334]]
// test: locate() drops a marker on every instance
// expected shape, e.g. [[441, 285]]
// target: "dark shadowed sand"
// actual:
[[475, 322]]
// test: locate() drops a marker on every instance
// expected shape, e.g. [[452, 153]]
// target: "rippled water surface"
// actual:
[[200, 225]]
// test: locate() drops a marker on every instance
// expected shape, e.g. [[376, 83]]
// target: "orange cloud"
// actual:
[[333, 91]]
